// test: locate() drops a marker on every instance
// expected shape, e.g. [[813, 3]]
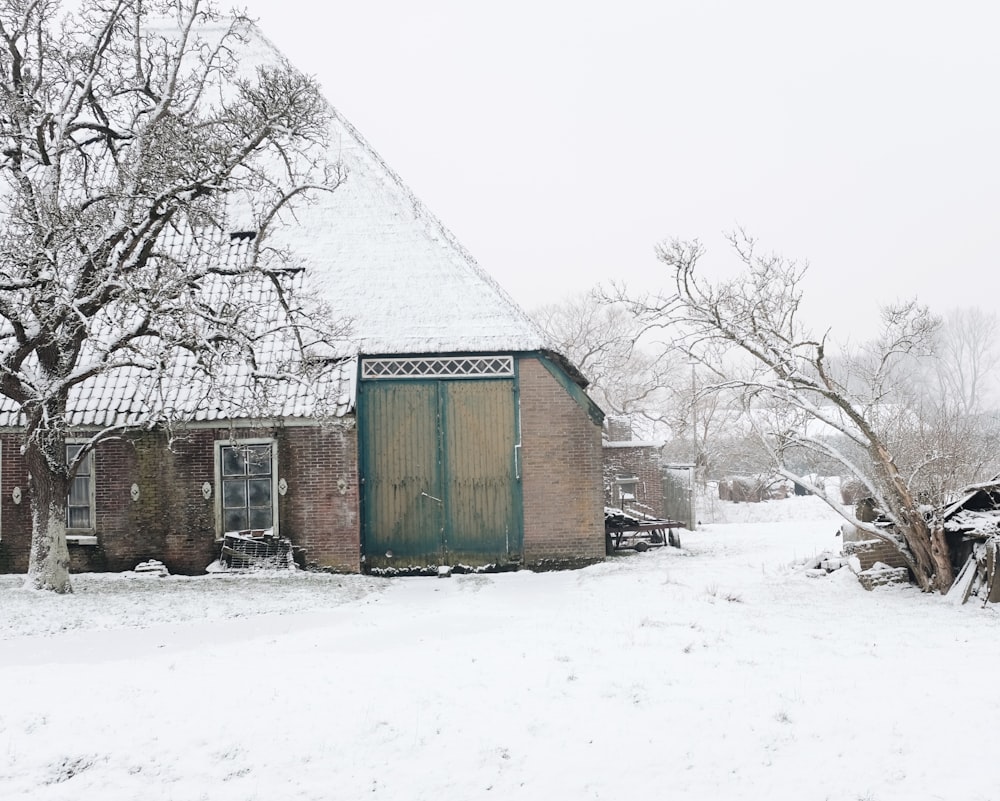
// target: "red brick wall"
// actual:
[[561, 473], [643, 462], [320, 510], [15, 519], [871, 551], [561, 470], [172, 520]]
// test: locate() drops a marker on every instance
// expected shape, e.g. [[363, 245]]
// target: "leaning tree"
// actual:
[[800, 397], [133, 134]]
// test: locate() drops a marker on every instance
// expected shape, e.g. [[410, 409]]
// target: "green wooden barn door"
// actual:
[[482, 514], [438, 461], [402, 505]]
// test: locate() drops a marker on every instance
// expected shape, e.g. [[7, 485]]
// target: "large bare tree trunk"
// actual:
[[931, 558], [48, 568], [941, 556]]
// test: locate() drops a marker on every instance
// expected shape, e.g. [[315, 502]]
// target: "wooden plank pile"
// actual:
[[980, 576]]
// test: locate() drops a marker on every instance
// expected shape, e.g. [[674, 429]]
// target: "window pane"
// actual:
[[78, 517], [246, 492], [78, 495], [235, 520], [79, 491], [260, 518], [84, 468], [234, 493], [259, 460], [232, 461], [259, 493]]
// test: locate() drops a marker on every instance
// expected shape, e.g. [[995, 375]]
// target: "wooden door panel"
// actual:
[[402, 508]]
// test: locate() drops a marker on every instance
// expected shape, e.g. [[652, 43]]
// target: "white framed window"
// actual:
[[246, 486], [80, 511]]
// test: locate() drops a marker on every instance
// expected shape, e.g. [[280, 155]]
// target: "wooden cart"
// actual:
[[622, 532]]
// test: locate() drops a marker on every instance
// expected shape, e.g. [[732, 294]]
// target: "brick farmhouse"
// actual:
[[451, 433]]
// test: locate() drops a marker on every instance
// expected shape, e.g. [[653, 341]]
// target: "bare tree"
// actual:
[[967, 355], [129, 132], [942, 430], [711, 417], [640, 379], [601, 338], [792, 394]]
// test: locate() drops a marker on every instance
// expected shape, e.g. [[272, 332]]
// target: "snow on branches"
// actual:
[[135, 137], [801, 395]]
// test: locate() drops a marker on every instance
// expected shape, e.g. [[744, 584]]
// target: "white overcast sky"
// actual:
[[561, 140]]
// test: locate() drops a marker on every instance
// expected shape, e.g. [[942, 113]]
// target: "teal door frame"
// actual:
[[448, 524]]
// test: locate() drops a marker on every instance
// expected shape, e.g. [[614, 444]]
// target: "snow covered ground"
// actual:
[[719, 671]]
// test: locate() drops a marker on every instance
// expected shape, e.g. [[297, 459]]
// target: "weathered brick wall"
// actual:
[[320, 510], [643, 462], [561, 474], [173, 521], [871, 551], [15, 519]]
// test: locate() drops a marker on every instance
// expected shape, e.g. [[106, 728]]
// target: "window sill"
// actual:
[[81, 539]]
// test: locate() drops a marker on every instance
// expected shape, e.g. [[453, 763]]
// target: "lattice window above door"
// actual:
[[438, 367]]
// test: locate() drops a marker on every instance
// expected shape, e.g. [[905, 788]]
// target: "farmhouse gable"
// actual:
[[442, 431]]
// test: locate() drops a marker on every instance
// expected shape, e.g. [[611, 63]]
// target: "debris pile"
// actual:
[[978, 577], [151, 567], [870, 576], [826, 562], [881, 575], [255, 550], [972, 525]]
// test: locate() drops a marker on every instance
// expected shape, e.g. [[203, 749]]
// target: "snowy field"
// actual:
[[719, 671]]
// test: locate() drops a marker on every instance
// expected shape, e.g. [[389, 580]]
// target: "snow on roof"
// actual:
[[986, 493], [378, 258], [130, 398], [278, 385], [974, 524], [383, 260]]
